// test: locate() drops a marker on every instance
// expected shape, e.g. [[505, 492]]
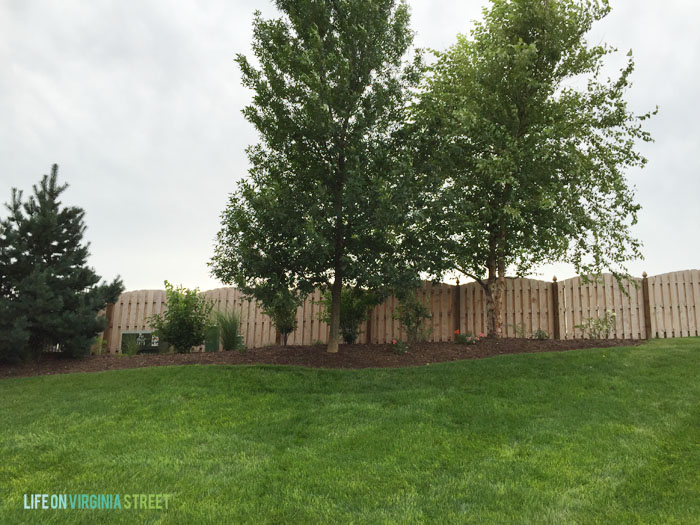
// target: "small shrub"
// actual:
[[131, 346], [520, 330], [229, 324], [186, 319], [467, 338], [355, 304], [598, 328], [398, 346], [412, 313], [540, 335], [281, 308], [98, 346]]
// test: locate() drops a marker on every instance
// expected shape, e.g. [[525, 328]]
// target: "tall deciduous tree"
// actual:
[[48, 294], [324, 202], [524, 149]]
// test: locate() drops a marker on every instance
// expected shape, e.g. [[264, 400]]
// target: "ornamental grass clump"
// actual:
[[229, 326]]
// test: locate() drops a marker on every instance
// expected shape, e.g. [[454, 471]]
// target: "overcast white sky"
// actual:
[[139, 103]]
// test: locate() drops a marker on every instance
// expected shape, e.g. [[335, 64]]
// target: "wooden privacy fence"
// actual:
[[665, 305]]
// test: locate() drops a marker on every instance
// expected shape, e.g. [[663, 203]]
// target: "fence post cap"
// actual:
[[644, 274], [554, 278]]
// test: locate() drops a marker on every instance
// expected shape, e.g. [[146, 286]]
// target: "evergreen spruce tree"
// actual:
[[48, 294]]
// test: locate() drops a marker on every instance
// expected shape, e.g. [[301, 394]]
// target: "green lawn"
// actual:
[[596, 435]]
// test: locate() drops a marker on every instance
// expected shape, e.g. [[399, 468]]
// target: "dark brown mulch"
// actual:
[[349, 356]]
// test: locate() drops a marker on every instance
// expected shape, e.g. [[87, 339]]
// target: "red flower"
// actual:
[[457, 331], [393, 341]]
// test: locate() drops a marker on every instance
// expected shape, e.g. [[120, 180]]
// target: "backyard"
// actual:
[[579, 436]]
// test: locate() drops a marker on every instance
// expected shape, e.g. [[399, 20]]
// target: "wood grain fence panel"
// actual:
[[148, 309], [397, 330], [527, 307], [675, 305], [509, 321], [521, 302], [250, 308], [481, 328], [463, 309], [567, 310], [630, 332], [605, 293], [445, 311], [665, 302], [516, 317], [655, 301], [435, 312], [561, 314], [618, 297], [683, 304], [652, 306], [665, 314], [671, 311], [636, 301], [688, 302], [542, 321], [381, 323], [695, 286], [573, 316], [620, 310], [141, 314], [131, 310], [521, 306], [691, 301], [469, 311], [117, 324], [477, 317], [254, 325], [124, 318], [546, 299], [305, 325]]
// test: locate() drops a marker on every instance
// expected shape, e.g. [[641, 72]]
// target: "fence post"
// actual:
[[555, 308], [647, 304]]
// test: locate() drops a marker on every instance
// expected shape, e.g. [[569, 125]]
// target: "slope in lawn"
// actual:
[[607, 434]]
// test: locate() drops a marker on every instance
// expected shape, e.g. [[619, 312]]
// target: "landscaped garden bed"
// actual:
[[315, 356]]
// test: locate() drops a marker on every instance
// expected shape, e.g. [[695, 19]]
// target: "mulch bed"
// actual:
[[348, 356]]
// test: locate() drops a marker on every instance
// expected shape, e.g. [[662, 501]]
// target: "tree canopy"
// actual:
[[324, 202], [523, 149]]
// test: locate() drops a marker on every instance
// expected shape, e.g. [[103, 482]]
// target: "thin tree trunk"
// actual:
[[334, 332], [336, 290], [494, 289]]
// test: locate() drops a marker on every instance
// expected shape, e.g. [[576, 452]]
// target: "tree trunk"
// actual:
[[495, 286], [334, 333]]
